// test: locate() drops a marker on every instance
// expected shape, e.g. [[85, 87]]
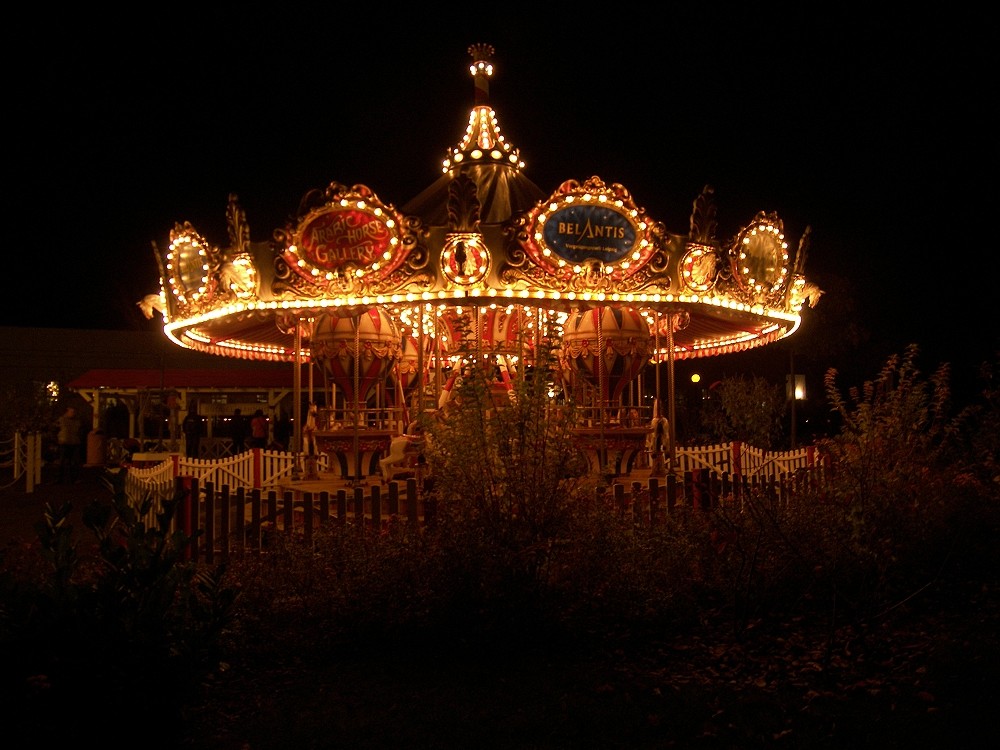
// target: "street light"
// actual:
[[795, 390]]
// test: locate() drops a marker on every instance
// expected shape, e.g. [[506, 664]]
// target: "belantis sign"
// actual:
[[581, 232]]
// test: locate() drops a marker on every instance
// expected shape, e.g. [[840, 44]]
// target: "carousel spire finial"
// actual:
[[481, 70], [483, 143]]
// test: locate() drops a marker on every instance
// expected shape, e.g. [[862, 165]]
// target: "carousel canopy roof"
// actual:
[[482, 235]]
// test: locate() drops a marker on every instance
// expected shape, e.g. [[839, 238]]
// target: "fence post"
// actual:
[[27, 459], [20, 446], [254, 534], [654, 501], [209, 522], [714, 485], [307, 516], [187, 489], [359, 507], [412, 498], [392, 504], [671, 492], [25, 464], [341, 506], [287, 509], [36, 459], [256, 468], [638, 510], [324, 507], [376, 508], [241, 516], [618, 492], [225, 525], [693, 485]]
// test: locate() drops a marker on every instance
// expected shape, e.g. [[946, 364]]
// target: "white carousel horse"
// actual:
[[401, 449], [659, 436], [657, 443]]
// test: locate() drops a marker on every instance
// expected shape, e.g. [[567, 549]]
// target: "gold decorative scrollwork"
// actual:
[[760, 256]]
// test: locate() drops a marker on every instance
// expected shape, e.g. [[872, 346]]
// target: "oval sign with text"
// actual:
[[580, 232], [340, 236]]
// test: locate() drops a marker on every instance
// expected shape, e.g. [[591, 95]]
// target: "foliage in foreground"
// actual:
[[521, 542], [129, 624]]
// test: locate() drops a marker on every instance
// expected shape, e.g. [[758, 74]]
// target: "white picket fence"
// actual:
[[263, 469], [255, 468], [741, 460]]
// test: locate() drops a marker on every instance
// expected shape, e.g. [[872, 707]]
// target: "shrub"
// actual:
[[131, 627]]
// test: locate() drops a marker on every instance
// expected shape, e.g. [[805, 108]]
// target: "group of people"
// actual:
[[245, 433], [253, 433], [248, 433]]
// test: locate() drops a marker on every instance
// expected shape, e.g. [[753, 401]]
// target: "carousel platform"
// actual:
[[327, 482], [333, 482]]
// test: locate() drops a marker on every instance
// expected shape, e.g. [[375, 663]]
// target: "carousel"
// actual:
[[382, 309]]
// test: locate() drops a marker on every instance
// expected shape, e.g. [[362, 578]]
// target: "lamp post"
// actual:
[[795, 390]]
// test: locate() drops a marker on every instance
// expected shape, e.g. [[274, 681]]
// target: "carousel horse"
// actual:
[[401, 449], [308, 433], [659, 435], [657, 441]]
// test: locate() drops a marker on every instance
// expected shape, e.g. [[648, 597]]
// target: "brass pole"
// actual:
[[672, 413], [357, 398], [297, 398]]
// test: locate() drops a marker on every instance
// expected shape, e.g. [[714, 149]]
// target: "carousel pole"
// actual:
[[657, 345], [520, 343], [419, 389], [438, 364], [656, 462], [297, 399], [599, 362], [671, 412], [479, 338], [357, 399]]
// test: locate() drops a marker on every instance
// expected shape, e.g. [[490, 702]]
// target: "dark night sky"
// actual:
[[872, 129]]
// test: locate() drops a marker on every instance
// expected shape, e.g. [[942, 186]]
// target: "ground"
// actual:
[[926, 675], [932, 683]]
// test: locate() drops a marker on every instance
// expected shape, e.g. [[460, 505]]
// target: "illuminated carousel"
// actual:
[[388, 307]]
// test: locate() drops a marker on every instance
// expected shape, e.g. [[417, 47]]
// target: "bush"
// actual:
[[132, 628]]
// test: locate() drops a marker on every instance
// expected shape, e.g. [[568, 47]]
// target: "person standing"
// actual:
[[238, 431], [192, 435], [283, 432], [69, 445], [258, 430]]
